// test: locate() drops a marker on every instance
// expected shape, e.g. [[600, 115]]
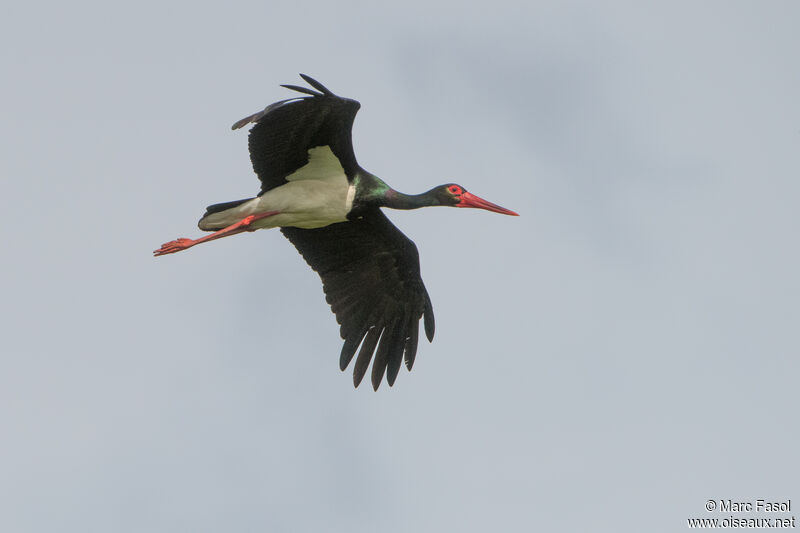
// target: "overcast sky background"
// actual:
[[622, 352]]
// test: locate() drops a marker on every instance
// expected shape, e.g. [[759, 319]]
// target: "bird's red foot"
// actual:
[[243, 225], [174, 246]]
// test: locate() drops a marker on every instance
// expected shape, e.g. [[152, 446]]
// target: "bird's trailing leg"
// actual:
[[243, 225]]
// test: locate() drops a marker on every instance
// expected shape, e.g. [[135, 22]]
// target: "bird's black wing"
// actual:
[[371, 277], [286, 130]]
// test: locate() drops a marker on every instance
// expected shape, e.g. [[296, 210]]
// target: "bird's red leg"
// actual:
[[182, 244]]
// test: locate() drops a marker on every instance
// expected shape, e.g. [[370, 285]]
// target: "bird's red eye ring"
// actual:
[[455, 189]]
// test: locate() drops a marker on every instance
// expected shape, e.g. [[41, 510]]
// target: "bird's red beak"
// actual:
[[470, 200]]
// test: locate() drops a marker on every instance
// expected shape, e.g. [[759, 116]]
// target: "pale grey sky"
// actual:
[[610, 360]]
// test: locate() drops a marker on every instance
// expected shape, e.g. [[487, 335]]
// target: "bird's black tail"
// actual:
[[211, 224]]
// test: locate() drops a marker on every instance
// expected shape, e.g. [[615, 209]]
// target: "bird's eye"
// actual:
[[455, 189]]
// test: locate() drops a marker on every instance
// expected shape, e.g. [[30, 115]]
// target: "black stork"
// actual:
[[329, 208]]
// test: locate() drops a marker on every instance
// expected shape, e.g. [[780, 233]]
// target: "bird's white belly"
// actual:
[[305, 204], [315, 195]]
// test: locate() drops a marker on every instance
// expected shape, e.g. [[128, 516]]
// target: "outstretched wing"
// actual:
[[371, 277], [285, 131]]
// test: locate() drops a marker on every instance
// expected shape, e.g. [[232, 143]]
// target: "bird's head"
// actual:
[[455, 195]]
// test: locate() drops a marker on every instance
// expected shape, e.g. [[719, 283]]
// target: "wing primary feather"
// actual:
[[255, 117], [317, 85], [430, 323], [349, 348], [396, 349], [365, 354], [246, 120], [382, 355], [303, 90], [411, 344]]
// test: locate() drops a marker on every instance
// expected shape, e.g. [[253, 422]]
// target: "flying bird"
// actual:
[[329, 208]]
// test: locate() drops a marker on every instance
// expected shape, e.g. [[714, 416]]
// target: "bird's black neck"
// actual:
[[398, 200], [373, 191]]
